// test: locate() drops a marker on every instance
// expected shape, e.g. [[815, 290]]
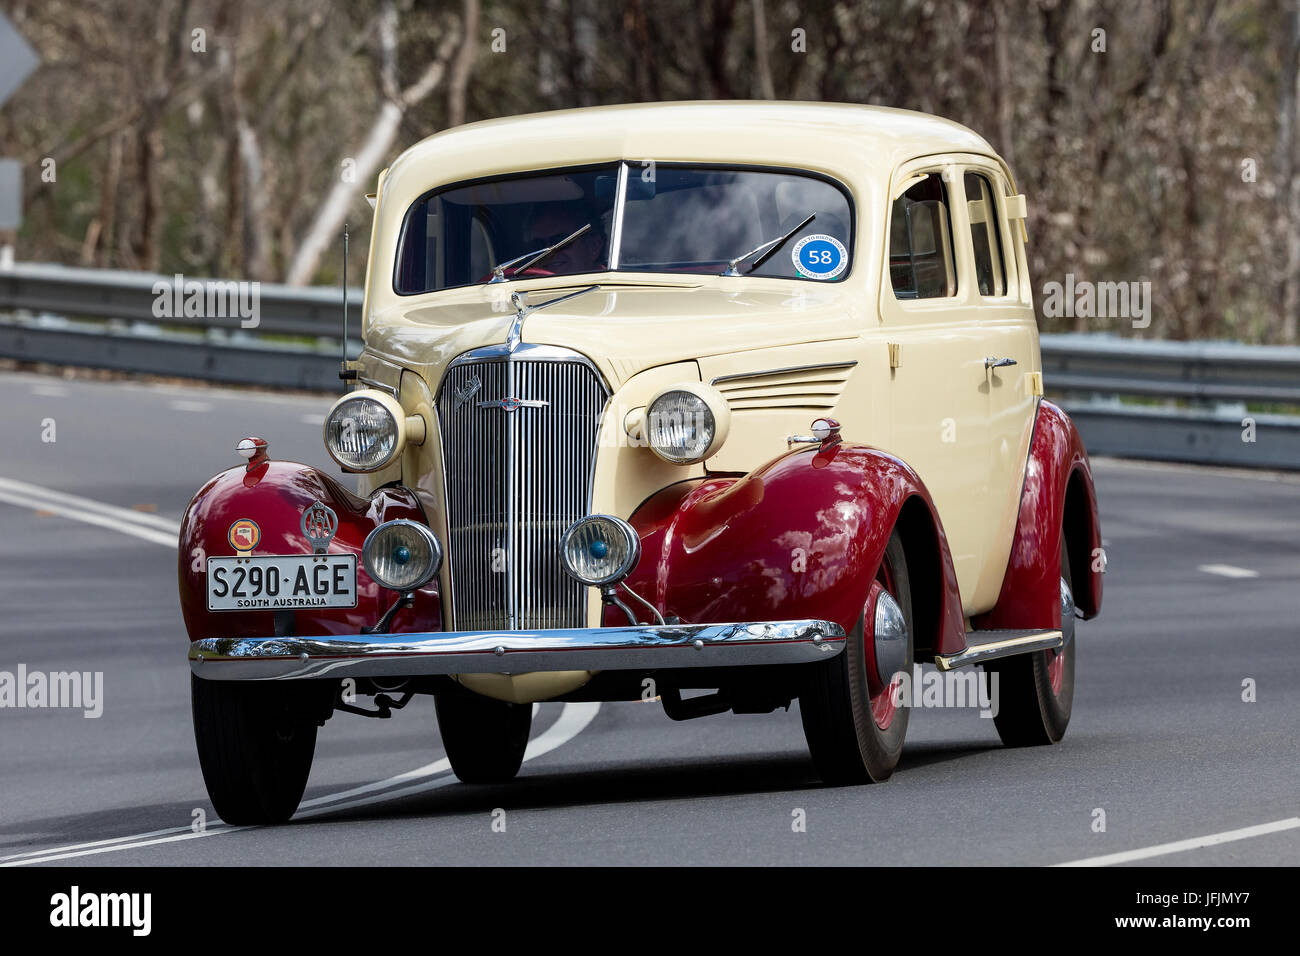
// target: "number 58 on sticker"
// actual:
[[819, 257]]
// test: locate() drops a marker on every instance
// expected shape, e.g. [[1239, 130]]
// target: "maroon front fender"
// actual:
[[800, 537], [1058, 494], [274, 495]]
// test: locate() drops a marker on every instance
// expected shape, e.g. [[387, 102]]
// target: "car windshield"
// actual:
[[639, 218]]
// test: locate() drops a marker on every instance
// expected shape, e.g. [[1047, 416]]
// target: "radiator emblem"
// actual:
[[511, 404]]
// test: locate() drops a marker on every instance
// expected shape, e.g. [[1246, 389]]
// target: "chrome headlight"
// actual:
[[687, 423], [401, 555], [600, 549], [365, 430]]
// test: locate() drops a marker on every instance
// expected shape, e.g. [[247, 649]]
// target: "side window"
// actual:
[[921, 260], [986, 236]]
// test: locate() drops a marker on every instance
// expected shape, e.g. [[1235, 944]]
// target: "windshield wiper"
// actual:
[[499, 271], [771, 246]]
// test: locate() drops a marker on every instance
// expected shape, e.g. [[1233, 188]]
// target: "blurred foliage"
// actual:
[[221, 161]]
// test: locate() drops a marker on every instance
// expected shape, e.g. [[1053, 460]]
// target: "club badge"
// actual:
[[318, 526], [244, 535]]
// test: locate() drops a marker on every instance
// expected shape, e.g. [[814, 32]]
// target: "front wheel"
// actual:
[[485, 739], [851, 720], [255, 744]]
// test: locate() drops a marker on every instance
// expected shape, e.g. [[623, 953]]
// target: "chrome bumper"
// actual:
[[643, 647]]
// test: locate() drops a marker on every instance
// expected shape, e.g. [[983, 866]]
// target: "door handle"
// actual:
[[991, 362]]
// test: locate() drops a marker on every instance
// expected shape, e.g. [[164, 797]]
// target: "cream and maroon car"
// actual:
[[735, 397]]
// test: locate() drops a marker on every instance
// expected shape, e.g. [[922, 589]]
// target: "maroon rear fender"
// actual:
[[1058, 495], [274, 494], [801, 537]]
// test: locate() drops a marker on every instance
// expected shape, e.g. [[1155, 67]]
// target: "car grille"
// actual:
[[516, 480]]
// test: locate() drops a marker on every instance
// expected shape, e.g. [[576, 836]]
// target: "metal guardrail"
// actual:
[[1194, 399], [1191, 398]]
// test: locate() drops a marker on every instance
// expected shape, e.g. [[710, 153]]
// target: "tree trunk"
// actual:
[[464, 64], [374, 147], [762, 66], [1289, 171]]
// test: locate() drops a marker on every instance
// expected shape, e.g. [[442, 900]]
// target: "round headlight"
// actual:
[[600, 549], [402, 555], [687, 424], [362, 431]]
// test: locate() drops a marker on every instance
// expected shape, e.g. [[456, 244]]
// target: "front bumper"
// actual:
[[642, 647]]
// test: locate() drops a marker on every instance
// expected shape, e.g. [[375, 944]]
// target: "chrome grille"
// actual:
[[516, 480]]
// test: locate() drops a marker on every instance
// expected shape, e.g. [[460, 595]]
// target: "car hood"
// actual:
[[623, 328]]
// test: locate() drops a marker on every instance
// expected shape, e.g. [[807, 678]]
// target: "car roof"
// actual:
[[855, 143]]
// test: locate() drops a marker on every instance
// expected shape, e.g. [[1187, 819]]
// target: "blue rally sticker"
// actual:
[[819, 257]]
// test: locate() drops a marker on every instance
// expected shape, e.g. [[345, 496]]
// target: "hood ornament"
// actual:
[[523, 310], [319, 522]]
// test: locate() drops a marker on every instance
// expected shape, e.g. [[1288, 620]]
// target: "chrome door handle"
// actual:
[[991, 362]]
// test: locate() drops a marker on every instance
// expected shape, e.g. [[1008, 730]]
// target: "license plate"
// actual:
[[278, 582]]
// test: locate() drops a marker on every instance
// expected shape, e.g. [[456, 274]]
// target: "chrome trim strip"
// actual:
[[999, 644], [616, 231], [516, 652], [782, 371]]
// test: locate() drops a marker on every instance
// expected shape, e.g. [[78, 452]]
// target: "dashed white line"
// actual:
[[1180, 846], [1228, 571], [571, 722], [188, 405]]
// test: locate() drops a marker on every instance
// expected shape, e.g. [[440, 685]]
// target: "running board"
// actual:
[[984, 646]]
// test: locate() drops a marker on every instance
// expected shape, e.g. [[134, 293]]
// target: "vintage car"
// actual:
[[742, 398]]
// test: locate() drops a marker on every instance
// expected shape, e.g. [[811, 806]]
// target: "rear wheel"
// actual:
[[854, 729], [1036, 691], [255, 742], [484, 738]]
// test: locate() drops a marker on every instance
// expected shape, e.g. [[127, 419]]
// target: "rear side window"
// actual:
[[986, 237], [921, 259]]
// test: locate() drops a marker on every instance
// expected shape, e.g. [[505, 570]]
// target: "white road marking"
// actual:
[[187, 405], [1228, 571], [314, 419], [572, 721], [50, 391], [1196, 843], [138, 524]]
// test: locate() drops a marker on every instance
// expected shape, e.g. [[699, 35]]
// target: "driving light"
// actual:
[[600, 550], [402, 555], [365, 430], [687, 423]]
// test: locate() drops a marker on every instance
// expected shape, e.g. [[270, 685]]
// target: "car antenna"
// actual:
[[345, 373]]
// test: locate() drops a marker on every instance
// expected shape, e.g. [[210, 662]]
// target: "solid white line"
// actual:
[[1228, 571], [571, 722], [1196, 843], [86, 517], [36, 496]]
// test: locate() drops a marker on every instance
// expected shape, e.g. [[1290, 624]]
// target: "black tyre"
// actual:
[[1036, 691], [484, 738], [854, 731], [255, 743]]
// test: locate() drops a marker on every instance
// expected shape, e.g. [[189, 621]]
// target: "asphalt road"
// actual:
[[1161, 739]]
